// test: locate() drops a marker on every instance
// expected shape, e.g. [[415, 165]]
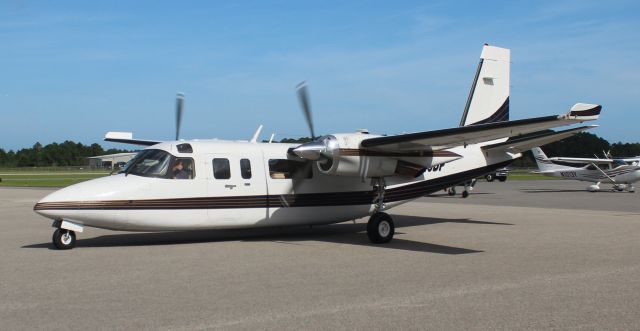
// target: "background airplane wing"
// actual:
[[581, 160], [447, 138], [127, 138]]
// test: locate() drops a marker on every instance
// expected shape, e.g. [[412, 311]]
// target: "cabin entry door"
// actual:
[[237, 189]]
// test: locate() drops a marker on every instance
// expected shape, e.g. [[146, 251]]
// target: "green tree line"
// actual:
[[68, 153]]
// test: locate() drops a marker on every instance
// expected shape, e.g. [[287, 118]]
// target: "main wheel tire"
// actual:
[[489, 177], [380, 228], [451, 191], [502, 179], [64, 239], [465, 194]]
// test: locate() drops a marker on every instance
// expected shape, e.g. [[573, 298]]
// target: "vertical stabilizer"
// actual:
[[488, 99], [543, 162]]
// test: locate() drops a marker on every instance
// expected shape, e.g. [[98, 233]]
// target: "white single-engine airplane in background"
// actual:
[[621, 172], [215, 184]]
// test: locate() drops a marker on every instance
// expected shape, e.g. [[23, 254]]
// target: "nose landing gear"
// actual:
[[64, 239]]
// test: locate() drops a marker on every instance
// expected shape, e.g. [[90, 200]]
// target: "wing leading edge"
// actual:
[[448, 138], [127, 138]]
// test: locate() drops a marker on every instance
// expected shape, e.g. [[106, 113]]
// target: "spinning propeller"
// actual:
[[321, 149], [179, 109], [303, 97]]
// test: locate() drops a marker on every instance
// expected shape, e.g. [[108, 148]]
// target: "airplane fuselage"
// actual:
[[624, 174], [242, 184]]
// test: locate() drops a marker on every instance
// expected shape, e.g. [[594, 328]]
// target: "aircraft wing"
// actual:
[[581, 160], [127, 138], [522, 144], [447, 138]]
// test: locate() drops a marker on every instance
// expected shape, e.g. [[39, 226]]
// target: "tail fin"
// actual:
[[488, 99], [543, 162]]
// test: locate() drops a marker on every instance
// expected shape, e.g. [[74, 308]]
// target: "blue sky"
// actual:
[[75, 70]]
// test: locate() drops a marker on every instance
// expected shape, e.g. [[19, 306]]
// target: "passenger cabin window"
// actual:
[[284, 169], [221, 169], [182, 168], [245, 168]]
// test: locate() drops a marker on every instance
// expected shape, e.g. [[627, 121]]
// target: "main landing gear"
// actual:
[[380, 228], [64, 239]]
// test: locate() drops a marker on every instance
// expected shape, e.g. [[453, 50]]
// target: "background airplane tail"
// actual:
[[543, 162], [488, 99]]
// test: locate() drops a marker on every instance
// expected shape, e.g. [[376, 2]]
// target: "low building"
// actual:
[[110, 161]]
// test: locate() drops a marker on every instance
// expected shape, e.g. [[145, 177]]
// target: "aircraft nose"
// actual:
[[86, 193], [56, 203]]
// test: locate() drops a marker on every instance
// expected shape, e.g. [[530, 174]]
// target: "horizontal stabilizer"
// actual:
[[522, 144], [127, 138]]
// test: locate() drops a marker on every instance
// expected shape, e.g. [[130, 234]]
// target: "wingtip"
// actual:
[[585, 110]]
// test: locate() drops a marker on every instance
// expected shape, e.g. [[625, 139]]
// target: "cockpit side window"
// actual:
[[182, 168]]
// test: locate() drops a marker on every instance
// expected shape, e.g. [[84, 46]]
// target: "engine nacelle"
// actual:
[[341, 155]]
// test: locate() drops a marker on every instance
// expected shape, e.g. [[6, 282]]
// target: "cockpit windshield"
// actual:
[[149, 163], [160, 164]]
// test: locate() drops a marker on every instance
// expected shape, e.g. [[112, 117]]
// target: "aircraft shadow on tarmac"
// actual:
[[341, 233], [446, 195], [550, 190]]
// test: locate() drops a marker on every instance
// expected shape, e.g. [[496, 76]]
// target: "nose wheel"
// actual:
[[380, 228], [64, 239]]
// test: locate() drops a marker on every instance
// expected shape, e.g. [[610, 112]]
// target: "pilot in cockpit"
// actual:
[[179, 170]]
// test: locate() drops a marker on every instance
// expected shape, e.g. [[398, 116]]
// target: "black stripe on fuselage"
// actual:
[[404, 192]]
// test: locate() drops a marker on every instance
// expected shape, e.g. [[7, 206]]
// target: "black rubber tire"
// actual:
[[380, 228], [465, 194], [502, 179], [489, 177], [66, 243], [451, 191]]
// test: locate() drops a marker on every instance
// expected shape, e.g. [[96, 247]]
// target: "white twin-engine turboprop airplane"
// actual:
[[214, 184], [622, 173]]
